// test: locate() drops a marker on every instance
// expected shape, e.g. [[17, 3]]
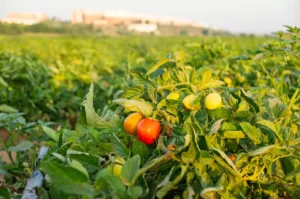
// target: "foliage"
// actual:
[[258, 123]]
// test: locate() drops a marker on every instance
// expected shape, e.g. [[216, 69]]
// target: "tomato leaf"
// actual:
[[168, 185], [139, 148], [133, 92], [7, 109], [249, 100], [271, 126], [130, 168], [252, 132], [118, 147], [157, 65], [22, 146], [262, 150], [68, 179], [51, 133], [77, 165], [143, 107], [216, 126]]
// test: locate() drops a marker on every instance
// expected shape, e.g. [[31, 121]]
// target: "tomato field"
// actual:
[[150, 117]]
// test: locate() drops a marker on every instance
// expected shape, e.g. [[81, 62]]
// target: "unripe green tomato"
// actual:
[[116, 167], [213, 101], [25, 164], [188, 102]]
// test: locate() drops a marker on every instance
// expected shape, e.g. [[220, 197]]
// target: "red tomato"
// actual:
[[148, 130]]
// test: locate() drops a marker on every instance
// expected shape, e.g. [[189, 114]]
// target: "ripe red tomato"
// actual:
[[148, 130]]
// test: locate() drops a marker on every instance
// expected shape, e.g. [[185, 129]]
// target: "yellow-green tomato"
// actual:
[[213, 101], [115, 169], [188, 102]]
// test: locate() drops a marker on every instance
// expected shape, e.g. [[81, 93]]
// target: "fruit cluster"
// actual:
[[146, 129]]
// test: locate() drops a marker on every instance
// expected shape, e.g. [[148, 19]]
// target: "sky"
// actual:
[[248, 16]]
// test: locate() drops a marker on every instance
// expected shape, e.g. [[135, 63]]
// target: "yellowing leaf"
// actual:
[[143, 107], [157, 65]]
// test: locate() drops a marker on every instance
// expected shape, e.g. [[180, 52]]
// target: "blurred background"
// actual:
[[115, 17], [51, 51]]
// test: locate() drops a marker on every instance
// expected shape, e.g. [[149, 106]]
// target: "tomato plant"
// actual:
[[245, 144]]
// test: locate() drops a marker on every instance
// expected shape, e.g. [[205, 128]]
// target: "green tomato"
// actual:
[[115, 169], [213, 101], [188, 102]]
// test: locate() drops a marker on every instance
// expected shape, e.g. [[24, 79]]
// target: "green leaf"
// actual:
[[130, 168], [168, 186], [152, 93], [179, 56], [143, 107], [211, 84], [135, 192], [91, 116], [7, 109], [51, 133], [259, 56], [206, 76], [228, 161], [280, 111], [139, 148], [4, 193], [68, 179], [271, 126], [206, 158], [77, 165], [229, 126], [118, 147], [194, 150], [221, 113], [252, 132], [22, 146], [3, 82], [216, 126], [108, 183], [243, 115], [249, 100], [234, 134], [189, 181], [262, 150], [133, 92], [157, 65], [207, 193], [240, 57], [167, 178], [140, 78]]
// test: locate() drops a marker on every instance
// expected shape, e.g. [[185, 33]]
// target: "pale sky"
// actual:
[[250, 16]]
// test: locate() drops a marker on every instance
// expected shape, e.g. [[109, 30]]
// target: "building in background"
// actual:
[[143, 28], [131, 20], [25, 18]]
